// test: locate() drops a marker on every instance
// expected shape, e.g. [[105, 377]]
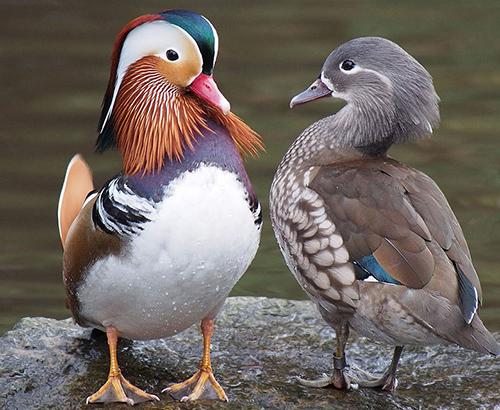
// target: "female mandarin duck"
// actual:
[[161, 245], [373, 242]]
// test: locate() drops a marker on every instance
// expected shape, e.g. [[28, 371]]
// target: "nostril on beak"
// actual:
[[314, 87]]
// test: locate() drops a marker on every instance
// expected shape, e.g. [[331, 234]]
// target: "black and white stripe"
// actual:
[[119, 210], [256, 211]]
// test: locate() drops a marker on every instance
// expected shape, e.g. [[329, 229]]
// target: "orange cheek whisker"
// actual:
[[154, 121]]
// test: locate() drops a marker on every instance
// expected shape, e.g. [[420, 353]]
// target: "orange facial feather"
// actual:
[[155, 120]]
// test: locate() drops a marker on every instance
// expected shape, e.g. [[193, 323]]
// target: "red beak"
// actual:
[[204, 87]]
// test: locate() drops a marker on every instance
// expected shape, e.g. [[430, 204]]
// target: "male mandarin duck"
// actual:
[[374, 242], [161, 245]]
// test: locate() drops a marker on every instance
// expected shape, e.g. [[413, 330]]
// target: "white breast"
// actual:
[[183, 264]]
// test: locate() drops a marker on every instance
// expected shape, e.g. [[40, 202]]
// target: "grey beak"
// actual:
[[316, 90]]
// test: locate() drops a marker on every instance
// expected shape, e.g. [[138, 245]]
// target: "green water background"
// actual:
[[54, 62]]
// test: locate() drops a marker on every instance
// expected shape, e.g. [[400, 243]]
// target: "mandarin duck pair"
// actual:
[[159, 247]]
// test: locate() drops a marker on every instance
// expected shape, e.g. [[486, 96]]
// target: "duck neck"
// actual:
[[359, 129], [212, 147]]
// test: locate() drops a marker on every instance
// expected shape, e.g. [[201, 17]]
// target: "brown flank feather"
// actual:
[[146, 132]]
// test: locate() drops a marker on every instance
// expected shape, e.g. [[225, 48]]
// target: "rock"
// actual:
[[259, 345]]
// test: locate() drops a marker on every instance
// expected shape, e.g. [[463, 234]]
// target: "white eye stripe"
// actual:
[[358, 69]]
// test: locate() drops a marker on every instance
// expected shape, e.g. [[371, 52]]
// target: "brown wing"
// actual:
[[393, 212]]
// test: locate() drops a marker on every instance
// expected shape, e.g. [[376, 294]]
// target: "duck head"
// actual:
[[161, 91], [390, 97]]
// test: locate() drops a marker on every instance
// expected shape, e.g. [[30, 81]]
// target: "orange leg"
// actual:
[[192, 388], [117, 388]]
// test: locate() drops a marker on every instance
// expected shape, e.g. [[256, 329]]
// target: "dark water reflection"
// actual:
[[53, 69]]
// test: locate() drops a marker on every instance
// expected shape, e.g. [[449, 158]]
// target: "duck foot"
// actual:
[[202, 385], [353, 377], [323, 381], [387, 382], [118, 389], [341, 379], [340, 382]]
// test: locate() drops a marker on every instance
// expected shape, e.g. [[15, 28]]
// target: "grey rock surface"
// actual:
[[259, 345]]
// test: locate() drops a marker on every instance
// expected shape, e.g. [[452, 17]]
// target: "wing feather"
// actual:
[[396, 213], [77, 184]]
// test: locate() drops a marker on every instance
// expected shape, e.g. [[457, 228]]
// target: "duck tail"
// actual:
[[78, 182], [478, 338]]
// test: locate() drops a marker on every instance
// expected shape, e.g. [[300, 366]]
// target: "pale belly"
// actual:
[[182, 266]]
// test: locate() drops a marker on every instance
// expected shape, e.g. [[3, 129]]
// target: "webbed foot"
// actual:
[[387, 382], [347, 377], [118, 389], [201, 385], [341, 379]]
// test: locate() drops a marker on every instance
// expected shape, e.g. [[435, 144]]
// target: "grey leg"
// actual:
[[339, 379]]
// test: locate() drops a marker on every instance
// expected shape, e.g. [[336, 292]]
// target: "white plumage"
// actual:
[[183, 264]]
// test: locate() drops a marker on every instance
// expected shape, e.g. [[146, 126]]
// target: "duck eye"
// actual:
[[347, 65], [172, 55]]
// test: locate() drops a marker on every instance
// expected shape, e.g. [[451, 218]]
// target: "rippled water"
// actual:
[[53, 70]]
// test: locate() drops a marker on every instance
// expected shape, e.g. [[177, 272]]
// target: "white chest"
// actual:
[[184, 263]]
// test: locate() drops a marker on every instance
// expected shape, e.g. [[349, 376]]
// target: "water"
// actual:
[[54, 59]]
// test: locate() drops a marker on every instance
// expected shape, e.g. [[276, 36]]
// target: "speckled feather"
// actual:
[[336, 197]]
